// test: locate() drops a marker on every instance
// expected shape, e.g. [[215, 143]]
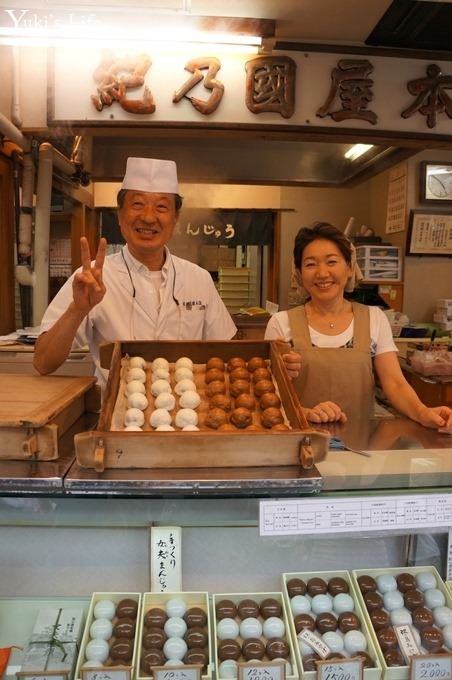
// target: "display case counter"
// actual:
[[383, 453], [65, 531]]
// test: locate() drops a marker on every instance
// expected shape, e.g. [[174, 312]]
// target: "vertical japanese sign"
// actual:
[[397, 198], [166, 559]]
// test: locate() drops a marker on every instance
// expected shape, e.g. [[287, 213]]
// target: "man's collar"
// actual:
[[141, 268]]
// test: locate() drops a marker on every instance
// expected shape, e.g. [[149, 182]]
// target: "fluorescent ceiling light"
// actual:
[[357, 150], [35, 27]]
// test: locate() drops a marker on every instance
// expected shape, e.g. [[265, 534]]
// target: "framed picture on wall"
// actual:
[[436, 182], [430, 233]]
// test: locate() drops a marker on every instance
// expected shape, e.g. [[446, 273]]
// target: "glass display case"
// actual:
[[69, 531]]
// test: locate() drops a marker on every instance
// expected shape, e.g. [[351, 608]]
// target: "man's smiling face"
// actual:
[[147, 222]]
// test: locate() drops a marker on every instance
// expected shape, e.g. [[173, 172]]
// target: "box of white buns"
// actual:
[[198, 405], [110, 639]]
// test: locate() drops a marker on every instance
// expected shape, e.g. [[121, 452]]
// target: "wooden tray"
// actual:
[[106, 448], [36, 410]]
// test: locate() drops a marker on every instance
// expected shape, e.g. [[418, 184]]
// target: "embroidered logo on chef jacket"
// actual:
[[194, 304]]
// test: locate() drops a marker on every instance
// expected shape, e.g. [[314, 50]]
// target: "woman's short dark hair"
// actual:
[[122, 192], [307, 235]]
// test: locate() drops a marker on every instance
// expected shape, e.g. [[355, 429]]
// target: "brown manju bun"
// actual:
[[263, 386], [239, 374], [269, 399], [216, 417], [271, 416], [261, 374], [215, 387], [214, 374], [239, 387], [236, 362], [254, 363], [241, 417], [221, 401], [215, 362], [245, 401], [227, 427]]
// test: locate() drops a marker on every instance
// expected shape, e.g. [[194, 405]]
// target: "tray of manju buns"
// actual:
[[412, 598], [327, 622], [198, 404], [251, 628], [174, 631], [110, 635]]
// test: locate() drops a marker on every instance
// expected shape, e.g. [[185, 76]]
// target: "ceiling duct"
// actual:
[[415, 24]]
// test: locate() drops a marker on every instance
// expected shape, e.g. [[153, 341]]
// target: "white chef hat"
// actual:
[[151, 174]]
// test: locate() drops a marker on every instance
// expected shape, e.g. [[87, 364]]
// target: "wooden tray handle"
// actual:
[[306, 453], [99, 456]]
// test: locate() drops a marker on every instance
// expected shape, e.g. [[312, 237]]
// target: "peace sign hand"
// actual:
[[88, 288]]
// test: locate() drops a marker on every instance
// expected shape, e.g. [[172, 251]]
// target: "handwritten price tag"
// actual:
[[118, 673], [431, 667], [349, 669], [192, 672], [263, 671], [46, 675]]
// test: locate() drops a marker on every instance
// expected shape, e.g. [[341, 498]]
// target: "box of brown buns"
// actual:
[[198, 405]]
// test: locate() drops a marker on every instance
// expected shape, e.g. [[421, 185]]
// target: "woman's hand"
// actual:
[[325, 412], [88, 288], [292, 362], [436, 417]]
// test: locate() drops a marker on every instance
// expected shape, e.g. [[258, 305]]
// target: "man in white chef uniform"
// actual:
[[142, 292]]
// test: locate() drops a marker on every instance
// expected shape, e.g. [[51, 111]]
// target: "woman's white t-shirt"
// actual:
[[380, 333]]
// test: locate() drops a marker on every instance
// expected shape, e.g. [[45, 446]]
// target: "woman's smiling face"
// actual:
[[324, 271]]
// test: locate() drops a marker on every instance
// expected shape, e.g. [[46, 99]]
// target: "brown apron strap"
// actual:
[[298, 323], [361, 326]]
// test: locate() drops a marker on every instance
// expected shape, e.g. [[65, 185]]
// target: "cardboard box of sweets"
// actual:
[[324, 602], [414, 596], [174, 629], [110, 635], [251, 628], [254, 441]]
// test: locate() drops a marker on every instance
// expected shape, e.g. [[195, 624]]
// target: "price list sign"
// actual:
[[373, 513]]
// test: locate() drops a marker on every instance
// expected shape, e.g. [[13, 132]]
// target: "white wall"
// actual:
[[311, 205], [425, 278]]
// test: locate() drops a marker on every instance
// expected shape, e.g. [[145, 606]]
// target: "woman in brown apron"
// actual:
[[338, 344]]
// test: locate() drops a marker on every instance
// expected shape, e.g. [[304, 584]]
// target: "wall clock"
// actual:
[[436, 182]]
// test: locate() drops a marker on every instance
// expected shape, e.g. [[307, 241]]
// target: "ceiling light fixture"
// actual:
[[357, 150], [110, 27]]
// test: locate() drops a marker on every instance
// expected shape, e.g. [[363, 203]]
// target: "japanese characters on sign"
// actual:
[[431, 667], [344, 669], [165, 559], [431, 97], [407, 642], [352, 83], [429, 233], [110, 674], [300, 89], [270, 87], [187, 672], [275, 670], [227, 227], [196, 66]]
